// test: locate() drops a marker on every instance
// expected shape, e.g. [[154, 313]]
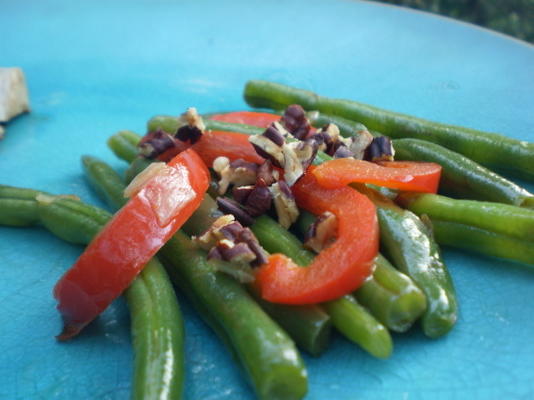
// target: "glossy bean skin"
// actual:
[[489, 149], [408, 242], [504, 219], [482, 241]]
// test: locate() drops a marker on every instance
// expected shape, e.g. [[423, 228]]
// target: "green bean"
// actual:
[[391, 296], [104, 180], [18, 206], [346, 127], [308, 326], [157, 334], [411, 247], [482, 241], [489, 149], [357, 325], [268, 355], [157, 326], [350, 318], [124, 145], [460, 175], [71, 220], [503, 219]]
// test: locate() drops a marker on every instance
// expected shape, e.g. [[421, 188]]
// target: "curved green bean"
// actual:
[[489, 149], [503, 219], [482, 241]]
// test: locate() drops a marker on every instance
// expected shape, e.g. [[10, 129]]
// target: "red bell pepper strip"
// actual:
[[402, 175], [213, 144], [263, 120], [233, 145], [118, 253], [338, 269]]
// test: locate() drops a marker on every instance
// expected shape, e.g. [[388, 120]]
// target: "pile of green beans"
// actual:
[[157, 324], [410, 246], [489, 149], [397, 306]]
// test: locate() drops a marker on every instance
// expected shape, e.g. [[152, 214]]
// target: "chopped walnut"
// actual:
[[296, 121], [268, 149], [284, 203], [228, 240], [235, 252], [259, 200], [236, 173], [359, 143], [267, 173], [155, 143], [191, 126], [208, 239], [293, 169], [229, 206], [380, 149], [322, 232]]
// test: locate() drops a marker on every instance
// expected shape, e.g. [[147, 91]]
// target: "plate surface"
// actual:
[[97, 67]]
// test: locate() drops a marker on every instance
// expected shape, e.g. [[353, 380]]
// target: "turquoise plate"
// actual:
[[95, 67]]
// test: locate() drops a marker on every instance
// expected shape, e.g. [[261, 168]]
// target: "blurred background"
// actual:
[[513, 17]]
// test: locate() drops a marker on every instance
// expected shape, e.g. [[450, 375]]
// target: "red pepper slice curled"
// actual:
[[338, 269], [402, 175], [119, 252]]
